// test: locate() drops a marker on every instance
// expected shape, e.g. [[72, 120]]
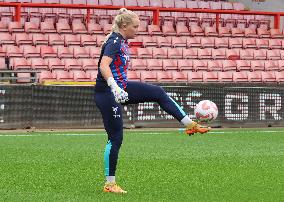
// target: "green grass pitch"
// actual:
[[154, 165]]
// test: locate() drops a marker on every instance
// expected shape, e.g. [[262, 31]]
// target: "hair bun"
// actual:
[[122, 10]]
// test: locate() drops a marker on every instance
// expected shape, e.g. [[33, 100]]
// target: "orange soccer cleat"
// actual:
[[114, 188], [196, 128]]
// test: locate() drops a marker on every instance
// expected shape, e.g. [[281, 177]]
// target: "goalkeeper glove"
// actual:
[[119, 94]]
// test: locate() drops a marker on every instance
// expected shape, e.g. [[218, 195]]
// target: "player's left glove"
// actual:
[[120, 95]]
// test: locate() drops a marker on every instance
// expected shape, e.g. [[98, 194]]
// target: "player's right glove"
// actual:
[[119, 94]]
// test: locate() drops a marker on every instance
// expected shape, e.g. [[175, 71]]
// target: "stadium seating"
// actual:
[[185, 47]]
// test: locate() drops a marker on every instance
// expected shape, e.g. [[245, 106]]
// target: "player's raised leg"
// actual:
[[142, 92]]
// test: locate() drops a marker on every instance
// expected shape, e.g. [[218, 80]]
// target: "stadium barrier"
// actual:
[[25, 106], [156, 11]]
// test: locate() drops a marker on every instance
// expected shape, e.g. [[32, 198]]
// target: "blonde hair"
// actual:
[[124, 17]]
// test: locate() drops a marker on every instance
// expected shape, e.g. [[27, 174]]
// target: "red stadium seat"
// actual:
[[47, 51], [138, 64], [210, 31], [19, 63], [185, 65], [38, 63], [133, 76], [257, 65], [79, 28], [22, 39], [3, 26], [80, 76], [249, 43], [204, 53], [225, 76], [39, 39], [279, 77], [240, 77], [210, 76], [235, 43], [63, 28], [254, 76], [55, 63], [31, 27], [195, 77], [175, 53], [6, 38], [275, 43], [47, 27], [275, 33], [154, 30], [200, 65], [219, 53], [149, 41], [263, 33], [191, 53], [45, 76], [182, 30], [94, 52], [207, 42], [23, 78], [268, 76], [72, 64], [168, 30], [89, 63], [94, 28], [237, 32], [163, 76], [262, 43], [215, 65], [195, 30], [92, 74], [164, 41], [229, 65], [62, 75], [71, 40], [80, 52], [178, 42], [250, 32], [170, 64], [13, 51], [148, 76], [154, 64], [87, 40], [246, 54], [64, 52], [160, 52], [233, 53], [273, 54], [193, 42], [15, 27], [178, 76], [55, 39], [224, 32], [243, 65], [271, 65], [145, 52], [30, 51], [259, 54], [221, 42]]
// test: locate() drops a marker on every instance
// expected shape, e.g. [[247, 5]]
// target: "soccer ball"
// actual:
[[206, 111]]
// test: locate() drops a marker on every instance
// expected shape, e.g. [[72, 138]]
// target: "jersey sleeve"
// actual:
[[112, 48]]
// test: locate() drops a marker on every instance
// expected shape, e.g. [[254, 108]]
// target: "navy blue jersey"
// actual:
[[116, 47]]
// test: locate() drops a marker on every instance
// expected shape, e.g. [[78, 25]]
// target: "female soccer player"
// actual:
[[113, 89]]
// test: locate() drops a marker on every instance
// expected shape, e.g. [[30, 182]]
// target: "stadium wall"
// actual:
[[74, 107]]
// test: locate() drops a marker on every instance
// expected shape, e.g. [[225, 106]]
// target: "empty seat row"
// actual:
[[53, 64], [207, 53], [44, 51], [170, 76], [49, 27], [207, 65], [211, 42]]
